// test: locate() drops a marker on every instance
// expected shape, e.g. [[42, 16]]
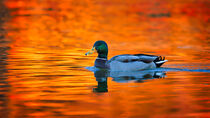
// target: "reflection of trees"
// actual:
[[4, 86]]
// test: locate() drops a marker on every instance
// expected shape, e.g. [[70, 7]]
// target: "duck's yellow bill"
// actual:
[[91, 51]]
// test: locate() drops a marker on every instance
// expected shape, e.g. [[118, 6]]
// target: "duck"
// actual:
[[124, 62]]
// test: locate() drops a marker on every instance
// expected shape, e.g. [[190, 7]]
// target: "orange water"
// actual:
[[42, 61]]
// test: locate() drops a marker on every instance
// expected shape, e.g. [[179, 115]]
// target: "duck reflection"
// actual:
[[136, 76], [101, 76]]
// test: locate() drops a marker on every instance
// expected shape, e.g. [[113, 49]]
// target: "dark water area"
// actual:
[[44, 72]]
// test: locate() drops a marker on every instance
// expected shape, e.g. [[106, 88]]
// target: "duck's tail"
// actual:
[[160, 61]]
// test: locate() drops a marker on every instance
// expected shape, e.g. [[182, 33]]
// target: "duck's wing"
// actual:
[[123, 58], [158, 60], [131, 58], [147, 58]]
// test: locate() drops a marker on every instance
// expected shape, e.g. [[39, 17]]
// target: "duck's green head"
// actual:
[[101, 48]]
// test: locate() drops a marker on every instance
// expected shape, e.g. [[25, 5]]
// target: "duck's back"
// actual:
[[131, 66], [132, 62]]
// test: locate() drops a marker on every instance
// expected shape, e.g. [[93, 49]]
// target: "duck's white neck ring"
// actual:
[[101, 58]]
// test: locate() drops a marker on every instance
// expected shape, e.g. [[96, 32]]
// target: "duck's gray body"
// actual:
[[130, 62]]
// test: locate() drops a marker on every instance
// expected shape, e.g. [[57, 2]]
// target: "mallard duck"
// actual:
[[125, 62]]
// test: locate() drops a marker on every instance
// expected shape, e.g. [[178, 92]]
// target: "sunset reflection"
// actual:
[[42, 47]]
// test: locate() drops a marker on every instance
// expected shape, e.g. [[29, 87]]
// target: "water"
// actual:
[[44, 72]]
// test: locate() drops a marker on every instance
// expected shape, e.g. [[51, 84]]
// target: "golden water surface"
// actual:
[[43, 67]]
